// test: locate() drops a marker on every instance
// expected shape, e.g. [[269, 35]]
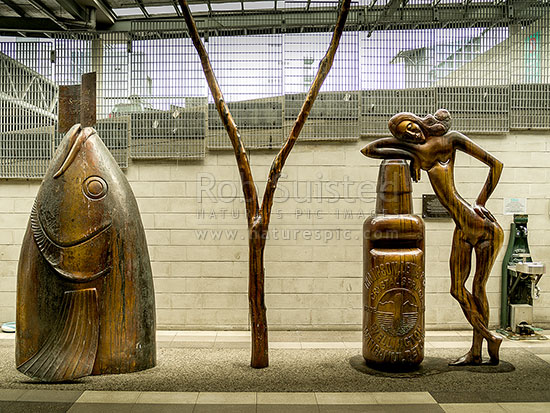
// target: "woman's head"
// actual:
[[412, 128]]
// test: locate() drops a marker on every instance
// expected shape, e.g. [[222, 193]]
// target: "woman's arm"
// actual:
[[392, 148], [468, 146]]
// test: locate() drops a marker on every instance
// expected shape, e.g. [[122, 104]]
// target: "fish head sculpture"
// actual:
[[85, 296], [80, 197]]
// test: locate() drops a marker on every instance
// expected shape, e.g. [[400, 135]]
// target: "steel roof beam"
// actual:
[[74, 9], [142, 8], [318, 17], [15, 7], [28, 24], [106, 9], [43, 9], [360, 18], [177, 8]]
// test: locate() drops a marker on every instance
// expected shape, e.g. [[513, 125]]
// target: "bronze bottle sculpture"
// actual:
[[393, 283], [85, 299], [429, 145]]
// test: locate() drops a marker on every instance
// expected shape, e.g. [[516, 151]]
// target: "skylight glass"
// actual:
[[259, 5], [381, 2], [198, 8], [420, 2], [302, 4], [226, 6], [461, 2], [160, 9], [330, 3], [129, 11], [292, 4]]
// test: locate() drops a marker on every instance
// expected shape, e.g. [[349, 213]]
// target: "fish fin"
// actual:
[[49, 250], [70, 349]]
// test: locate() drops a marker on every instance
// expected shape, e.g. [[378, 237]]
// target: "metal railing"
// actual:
[[28, 101]]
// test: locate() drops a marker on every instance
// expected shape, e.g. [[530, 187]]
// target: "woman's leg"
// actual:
[[486, 253], [475, 307], [460, 263]]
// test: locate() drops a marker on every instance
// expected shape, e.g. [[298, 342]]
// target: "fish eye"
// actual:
[[95, 187]]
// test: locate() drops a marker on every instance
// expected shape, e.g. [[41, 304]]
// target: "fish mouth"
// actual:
[[80, 241], [78, 137], [83, 260]]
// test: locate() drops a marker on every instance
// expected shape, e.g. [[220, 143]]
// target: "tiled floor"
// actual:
[[151, 402], [39, 400]]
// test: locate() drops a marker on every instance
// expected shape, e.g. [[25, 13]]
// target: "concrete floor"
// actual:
[[207, 371]]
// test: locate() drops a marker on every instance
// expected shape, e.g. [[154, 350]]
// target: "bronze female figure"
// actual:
[[429, 145]]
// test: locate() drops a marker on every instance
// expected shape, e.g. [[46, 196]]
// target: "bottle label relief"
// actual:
[[394, 309]]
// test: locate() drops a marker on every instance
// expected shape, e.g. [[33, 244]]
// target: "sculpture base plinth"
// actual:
[[430, 366]]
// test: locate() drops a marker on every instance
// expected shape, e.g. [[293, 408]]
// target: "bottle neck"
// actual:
[[394, 190]]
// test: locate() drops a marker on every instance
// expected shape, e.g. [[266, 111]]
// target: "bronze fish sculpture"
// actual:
[[85, 298]]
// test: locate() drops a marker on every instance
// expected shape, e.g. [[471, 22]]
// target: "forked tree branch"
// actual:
[[322, 72], [260, 217], [243, 163]]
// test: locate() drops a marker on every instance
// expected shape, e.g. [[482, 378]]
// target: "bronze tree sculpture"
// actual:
[[258, 216], [85, 300], [429, 145]]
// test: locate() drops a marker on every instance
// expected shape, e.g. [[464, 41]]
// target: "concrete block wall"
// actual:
[[194, 219]]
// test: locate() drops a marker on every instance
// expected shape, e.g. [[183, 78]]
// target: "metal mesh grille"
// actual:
[[107, 55], [73, 58], [335, 113], [378, 106], [28, 99], [530, 83], [481, 109], [487, 63], [249, 71], [472, 74], [168, 85], [465, 70], [110, 52], [396, 76]]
